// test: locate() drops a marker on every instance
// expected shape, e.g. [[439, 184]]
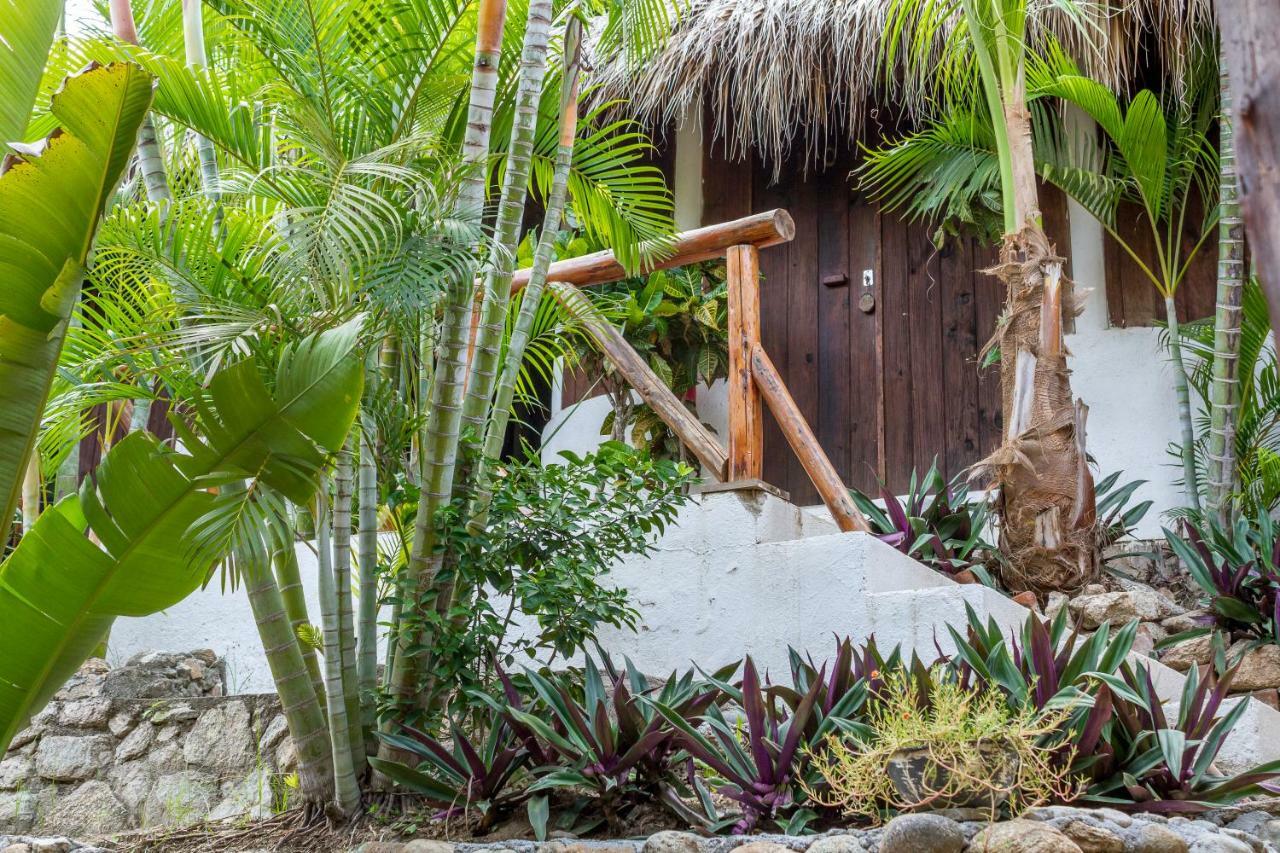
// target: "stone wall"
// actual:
[[152, 742]]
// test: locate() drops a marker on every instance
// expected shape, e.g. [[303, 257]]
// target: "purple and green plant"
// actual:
[[1237, 567], [936, 522]]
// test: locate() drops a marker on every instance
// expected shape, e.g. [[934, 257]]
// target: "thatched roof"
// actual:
[[779, 74]]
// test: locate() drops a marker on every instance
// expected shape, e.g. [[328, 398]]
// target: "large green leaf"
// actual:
[[50, 204], [147, 508], [26, 33]]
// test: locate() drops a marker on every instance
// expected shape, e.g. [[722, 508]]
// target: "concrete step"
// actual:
[[749, 573]]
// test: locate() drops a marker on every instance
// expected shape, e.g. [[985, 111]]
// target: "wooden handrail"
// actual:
[[805, 444], [643, 380], [701, 244]]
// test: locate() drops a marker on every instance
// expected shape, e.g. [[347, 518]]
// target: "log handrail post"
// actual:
[[805, 444], [746, 416], [643, 380]]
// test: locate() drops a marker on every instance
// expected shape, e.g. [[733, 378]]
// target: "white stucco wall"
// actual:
[[217, 620], [1123, 375]]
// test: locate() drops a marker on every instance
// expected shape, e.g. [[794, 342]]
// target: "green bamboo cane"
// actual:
[[496, 434], [346, 788], [298, 699], [342, 488], [367, 560], [445, 415], [515, 188], [1224, 392], [1190, 477], [193, 42], [289, 579]]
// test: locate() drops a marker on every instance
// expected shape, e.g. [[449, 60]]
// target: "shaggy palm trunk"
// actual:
[[1224, 392], [532, 296], [193, 42], [342, 487], [1046, 504], [299, 701], [1190, 479], [289, 579], [497, 287], [440, 449], [346, 787]]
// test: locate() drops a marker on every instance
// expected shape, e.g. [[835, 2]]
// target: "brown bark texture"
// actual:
[[1249, 29], [1047, 530]]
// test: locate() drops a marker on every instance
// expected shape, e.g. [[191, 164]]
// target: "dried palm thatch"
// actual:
[[785, 74]]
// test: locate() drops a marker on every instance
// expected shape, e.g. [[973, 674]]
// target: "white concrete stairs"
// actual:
[[745, 572]]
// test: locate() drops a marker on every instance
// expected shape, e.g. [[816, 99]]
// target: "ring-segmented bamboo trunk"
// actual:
[[1224, 392]]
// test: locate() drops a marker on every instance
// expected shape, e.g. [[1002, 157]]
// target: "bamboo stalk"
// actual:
[[500, 416], [342, 494], [346, 789], [805, 444]]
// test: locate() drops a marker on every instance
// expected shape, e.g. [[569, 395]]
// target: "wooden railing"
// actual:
[[753, 379]]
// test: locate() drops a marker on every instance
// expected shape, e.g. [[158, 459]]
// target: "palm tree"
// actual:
[[1046, 502], [1224, 394]]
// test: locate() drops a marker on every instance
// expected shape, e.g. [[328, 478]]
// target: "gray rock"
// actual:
[[64, 758], [15, 772], [1259, 668], [137, 742], [165, 758], [837, 844], [286, 756], [120, 723], [762, 847], [379, 847], [1092, 837], [1185, 621], [171, 712], [671, 842], [423, 845], [19, 810], [24, 737], [86, 713], [1153, 838], [91, 809], [179, 799], [921, 833], [1141, 603], [1261, 825], [1220, 844], [1023, 836], [250, 796], [276, 730], [133, 783], [1197, 651]]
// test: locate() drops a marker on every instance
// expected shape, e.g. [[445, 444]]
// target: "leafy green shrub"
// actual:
[[554, 532]]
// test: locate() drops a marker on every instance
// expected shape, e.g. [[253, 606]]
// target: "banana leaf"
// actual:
[[134, 542], [50, 202], [26, 34]]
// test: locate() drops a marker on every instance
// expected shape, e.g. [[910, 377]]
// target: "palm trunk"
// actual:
[[1224, 392], [289, 579], [497, 288], [445, 416], [496, 434], [193, 41], [32, 485], [367, 559], [1190, 479], [1046, 504], [346, 788], [298, 699], [342, 481], [150, 158]]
